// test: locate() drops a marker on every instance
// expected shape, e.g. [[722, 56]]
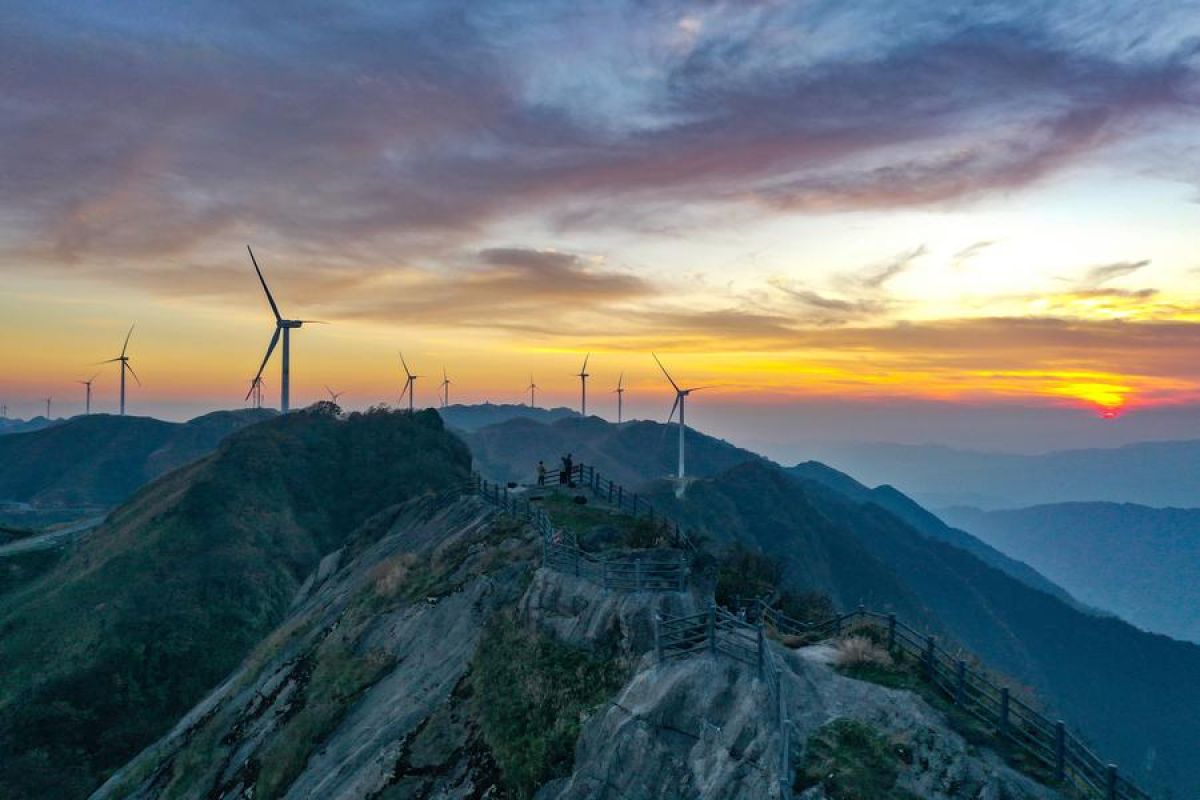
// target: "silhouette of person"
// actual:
[[541, 473]]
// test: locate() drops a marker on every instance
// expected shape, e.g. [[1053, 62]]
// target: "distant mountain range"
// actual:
[[473, 417], [1140, 563], [102, 459], [1149, 473], [10, 425]]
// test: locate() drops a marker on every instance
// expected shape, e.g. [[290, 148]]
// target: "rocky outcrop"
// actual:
[[365, 691]]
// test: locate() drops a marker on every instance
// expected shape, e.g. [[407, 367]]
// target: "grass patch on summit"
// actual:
[[531, 695], [851, 760]]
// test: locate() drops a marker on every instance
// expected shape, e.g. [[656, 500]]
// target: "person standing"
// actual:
[[541, 473]]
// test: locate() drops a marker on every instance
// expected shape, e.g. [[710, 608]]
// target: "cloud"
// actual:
[[144, 136], [965, 255], [1098, 275]]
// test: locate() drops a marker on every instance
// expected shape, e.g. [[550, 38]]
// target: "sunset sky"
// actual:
[[858, 219]]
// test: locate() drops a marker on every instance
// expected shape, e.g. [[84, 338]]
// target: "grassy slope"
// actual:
[[98, 657]]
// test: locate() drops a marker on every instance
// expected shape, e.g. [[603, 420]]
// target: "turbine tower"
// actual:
[[620, 392], [532, 387], [48, 399], [285, 327], [445, 387], [680, 398], [125, 367], [410, 383], [87, 405], [583, 376]]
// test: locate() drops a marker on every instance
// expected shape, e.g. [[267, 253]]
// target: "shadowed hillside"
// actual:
[[630, 453], [100, 460], [101, 655], [473, 417]]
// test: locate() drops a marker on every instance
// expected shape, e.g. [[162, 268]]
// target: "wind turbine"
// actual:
[[285, 327], [256, 390], [333, 396], [583, 376], [48, 399], [87, 406], [125, 366], [680, 397], [620, 392], [410, 384], [445, 387], [532, 387]]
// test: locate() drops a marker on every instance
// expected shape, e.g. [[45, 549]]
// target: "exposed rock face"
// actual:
[[391, 724], [363, 692]]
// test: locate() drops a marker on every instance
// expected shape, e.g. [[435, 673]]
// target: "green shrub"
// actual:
[[531, 694], [850, 760]]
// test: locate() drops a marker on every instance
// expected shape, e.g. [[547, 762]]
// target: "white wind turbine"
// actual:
[[285, 327], [123, 359], [583, 376], [680, 399], [410, 383], [87, 404], [532, 387], [620, 392], [445, 387], [256, 390]]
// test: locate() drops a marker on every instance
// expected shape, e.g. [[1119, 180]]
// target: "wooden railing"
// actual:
[[1050, 742], [719, 631], [649, 570]]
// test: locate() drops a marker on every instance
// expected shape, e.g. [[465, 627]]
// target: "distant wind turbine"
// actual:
[[583, 376], [87, 405], [285, 327], [680, 398], [3, 410], [333, 396], [620, 392], [48, 399], [445, 387], [125, 367], [532, 387], [410, 383]]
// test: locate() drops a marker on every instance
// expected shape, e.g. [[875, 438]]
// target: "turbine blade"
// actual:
[[263, 281], [405, 365], [621, 381], [313, 322], [266, 358], [664, 372], [673, 408], [134, 374], [125, 346], [585, 360]]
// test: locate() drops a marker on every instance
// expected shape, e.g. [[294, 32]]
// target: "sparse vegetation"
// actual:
[[850, 760], [854, 651], [532, 694]]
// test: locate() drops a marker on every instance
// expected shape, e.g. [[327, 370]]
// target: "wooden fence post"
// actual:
[[658, 653], [929, 649], [682, 573], [1110, 775], [610, 485], [635, 501], [576, 551], [960, 683], [1004, 704], [785, 739], [712, 628], [637, 575], [1060, 751], [891, 632]]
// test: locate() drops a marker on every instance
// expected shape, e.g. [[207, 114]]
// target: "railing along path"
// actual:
[[718, 631]]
